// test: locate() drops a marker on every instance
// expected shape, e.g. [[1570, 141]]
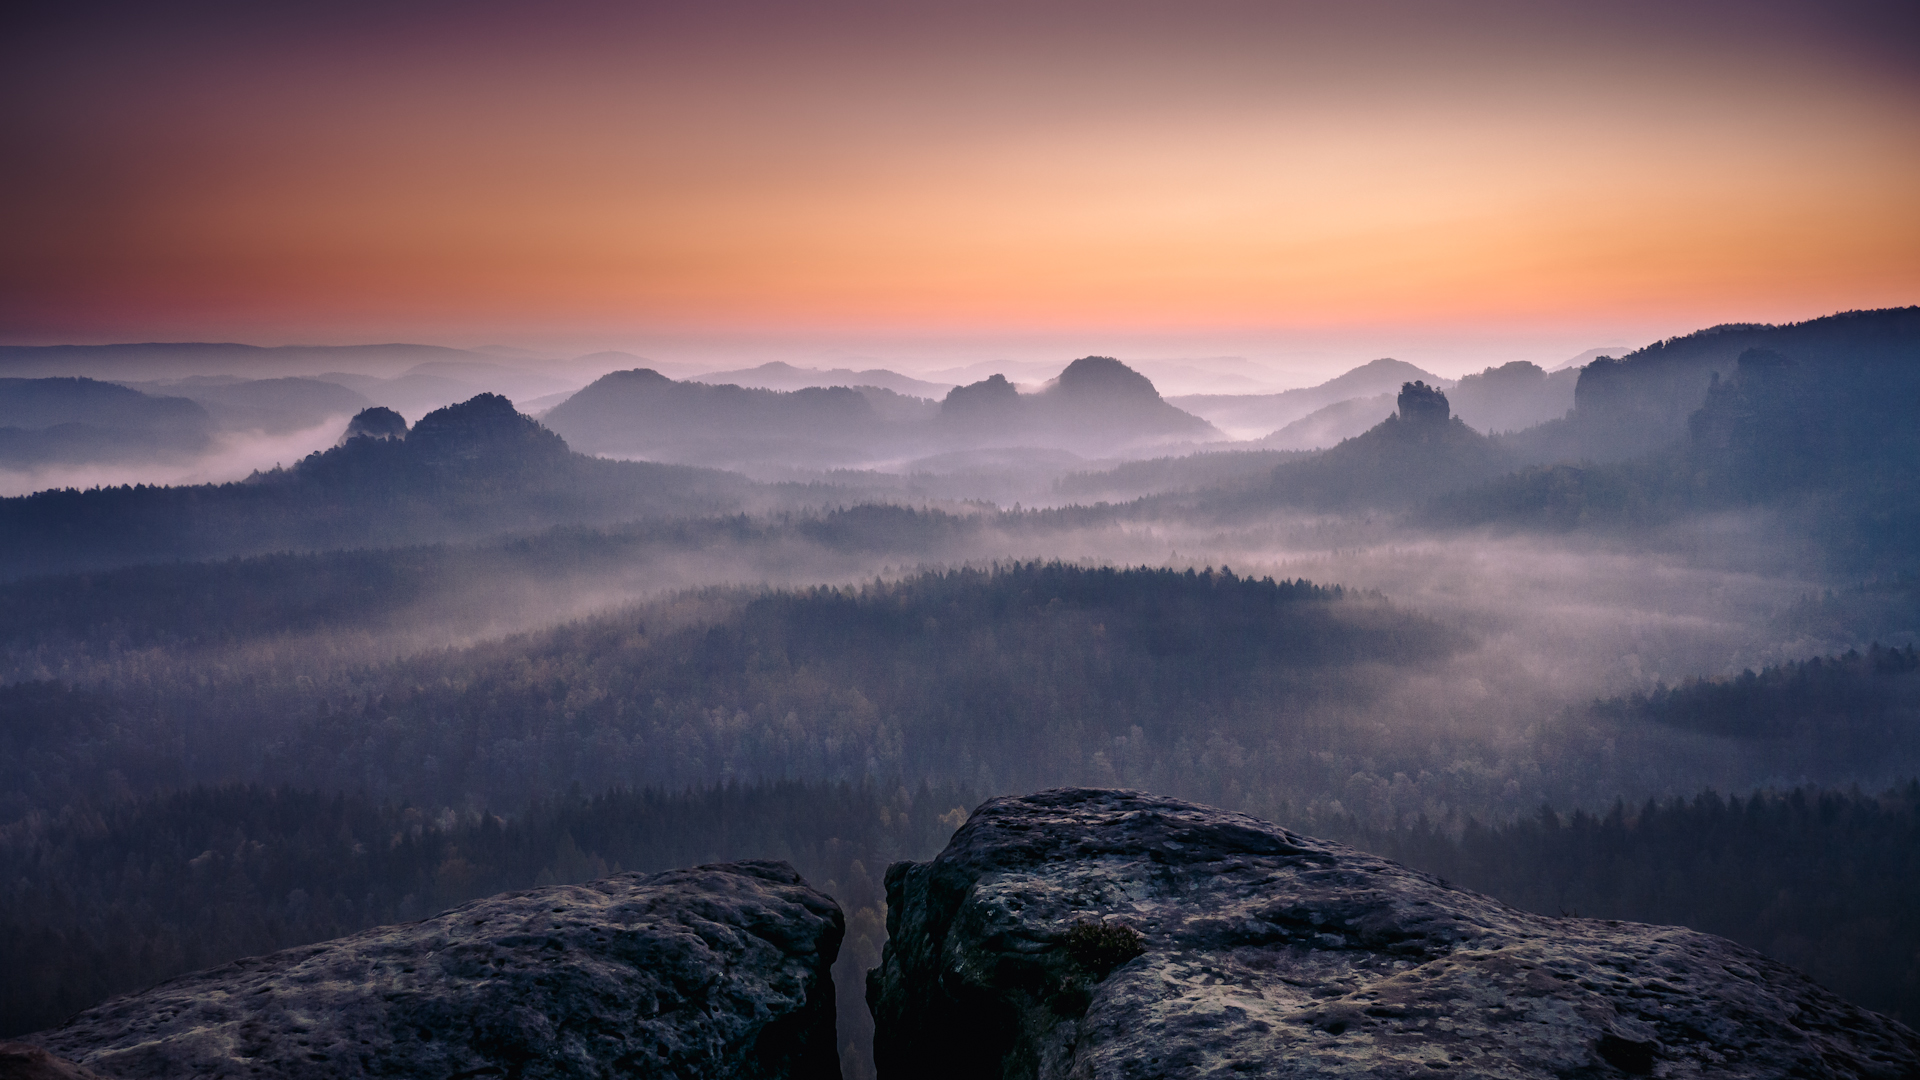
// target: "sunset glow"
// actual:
[[1218, 168]]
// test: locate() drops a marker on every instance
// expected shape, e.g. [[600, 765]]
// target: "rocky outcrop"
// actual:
[[1421, 404], [378, 422], [1095, 934], [717, 971], [24, 1061], [484, 431]]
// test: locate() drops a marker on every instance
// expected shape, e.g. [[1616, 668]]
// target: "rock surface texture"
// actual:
[[1271, 954], [717, 971]]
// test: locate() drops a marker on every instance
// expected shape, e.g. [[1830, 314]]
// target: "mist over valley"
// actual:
[[505, 644]]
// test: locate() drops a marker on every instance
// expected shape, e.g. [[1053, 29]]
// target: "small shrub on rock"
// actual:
[[1097, 948]]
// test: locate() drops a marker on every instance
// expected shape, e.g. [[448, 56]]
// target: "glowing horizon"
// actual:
[[848, 174]]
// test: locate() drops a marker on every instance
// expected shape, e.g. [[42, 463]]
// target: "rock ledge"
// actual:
[[1272, 954], [717, 971]]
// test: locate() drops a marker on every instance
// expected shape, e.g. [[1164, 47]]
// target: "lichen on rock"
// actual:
[[714, 972], [1266, 953]]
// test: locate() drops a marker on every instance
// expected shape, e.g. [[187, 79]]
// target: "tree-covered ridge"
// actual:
[[1818, 431], [180, 604], [1626, 406], [477, 468], [1857, 695], [1024, 675], [1823, 880]]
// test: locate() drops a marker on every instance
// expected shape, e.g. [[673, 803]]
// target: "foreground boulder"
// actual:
[[718, 971], [24, 1061], [1094, 934]]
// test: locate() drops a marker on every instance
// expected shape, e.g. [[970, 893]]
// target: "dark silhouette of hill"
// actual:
[[1823, 434], [642, 413], [378, 422], [1326, 427], [469, 470], [1406, 459], [273, 406], [72, 420], [1513, 397], [1097, 403], [1623, 407], [988, 409], [1098, 399], [1270, 412]]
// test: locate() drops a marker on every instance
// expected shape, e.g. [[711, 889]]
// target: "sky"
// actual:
[[928, 184]]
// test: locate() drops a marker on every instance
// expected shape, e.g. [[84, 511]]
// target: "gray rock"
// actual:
[[717, 971], [22, 1061], [1272, 954]]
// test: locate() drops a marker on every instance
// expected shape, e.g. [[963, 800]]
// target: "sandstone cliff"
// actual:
[[1095, 934], [717, 971]]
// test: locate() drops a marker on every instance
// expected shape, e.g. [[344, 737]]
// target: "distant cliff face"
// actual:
[[715, 972], [1422, 405], [1096, 934]]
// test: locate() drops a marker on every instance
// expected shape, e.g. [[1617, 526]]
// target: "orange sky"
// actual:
[[632, 174]]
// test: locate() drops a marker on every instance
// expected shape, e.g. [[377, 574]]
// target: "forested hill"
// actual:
[[1822, 880], [644, 412], [1820, 431], [1627, 406], [1870, 699], [468, 470], [1420, 451], [1024, 676]]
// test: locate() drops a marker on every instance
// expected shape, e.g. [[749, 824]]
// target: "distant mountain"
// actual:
[[1097, 403], [422, 388], [783, 376], [469, 470], [1626, 406], [377, 422], [1254, 415], [642, 413], [1098, 398], [1512, 397], [594, 365], [1419, 452], [1325, 427], [73, 420], [897, 408], [1024, 372], [273, 406], [1820, 432]]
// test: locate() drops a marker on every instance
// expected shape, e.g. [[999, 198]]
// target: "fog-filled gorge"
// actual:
[[489, 654]]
